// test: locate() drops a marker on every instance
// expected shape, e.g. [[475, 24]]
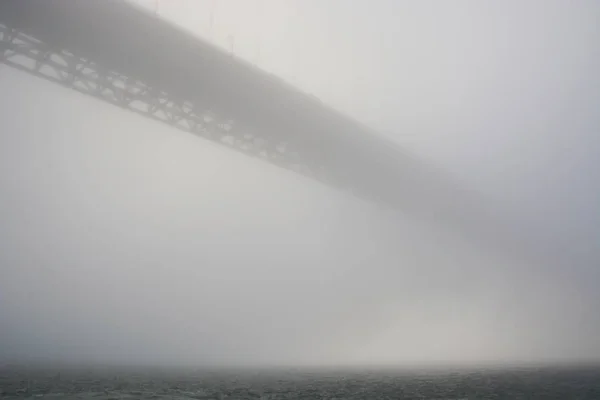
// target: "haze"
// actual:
[[125, 241]]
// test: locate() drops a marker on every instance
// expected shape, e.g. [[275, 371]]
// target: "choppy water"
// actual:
[[107, 383]]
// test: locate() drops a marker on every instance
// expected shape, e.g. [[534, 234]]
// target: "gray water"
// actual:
[[154, 383]]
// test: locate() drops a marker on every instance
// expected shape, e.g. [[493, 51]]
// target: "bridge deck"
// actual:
[[132, 41], [123, 37], [119, 36]]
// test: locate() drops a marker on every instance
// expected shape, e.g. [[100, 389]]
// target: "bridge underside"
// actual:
[[33, 56], [120, 54], [123, 55]]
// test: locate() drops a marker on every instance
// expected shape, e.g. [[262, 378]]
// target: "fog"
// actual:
[[125, 241]]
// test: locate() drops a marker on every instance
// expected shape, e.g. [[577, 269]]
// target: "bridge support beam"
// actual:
[[28, 54]]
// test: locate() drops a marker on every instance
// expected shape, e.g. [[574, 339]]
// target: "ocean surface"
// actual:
[[155, 383]]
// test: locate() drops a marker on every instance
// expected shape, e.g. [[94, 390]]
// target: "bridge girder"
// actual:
[[210, 94], [31, 55], [259, 113], [373, 175]]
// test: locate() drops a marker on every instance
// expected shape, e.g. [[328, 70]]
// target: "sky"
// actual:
[[125, 241]]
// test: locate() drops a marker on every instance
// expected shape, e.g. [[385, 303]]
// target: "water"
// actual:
[[154, 383]]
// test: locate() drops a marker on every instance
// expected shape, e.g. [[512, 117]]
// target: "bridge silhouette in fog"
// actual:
[[122, 54]]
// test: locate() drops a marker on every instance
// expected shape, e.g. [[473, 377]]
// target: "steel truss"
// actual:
[[26, 53]]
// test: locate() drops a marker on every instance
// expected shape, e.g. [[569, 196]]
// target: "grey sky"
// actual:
[[123, 240]]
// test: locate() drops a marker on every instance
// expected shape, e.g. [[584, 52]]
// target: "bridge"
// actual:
[[125, 55]]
